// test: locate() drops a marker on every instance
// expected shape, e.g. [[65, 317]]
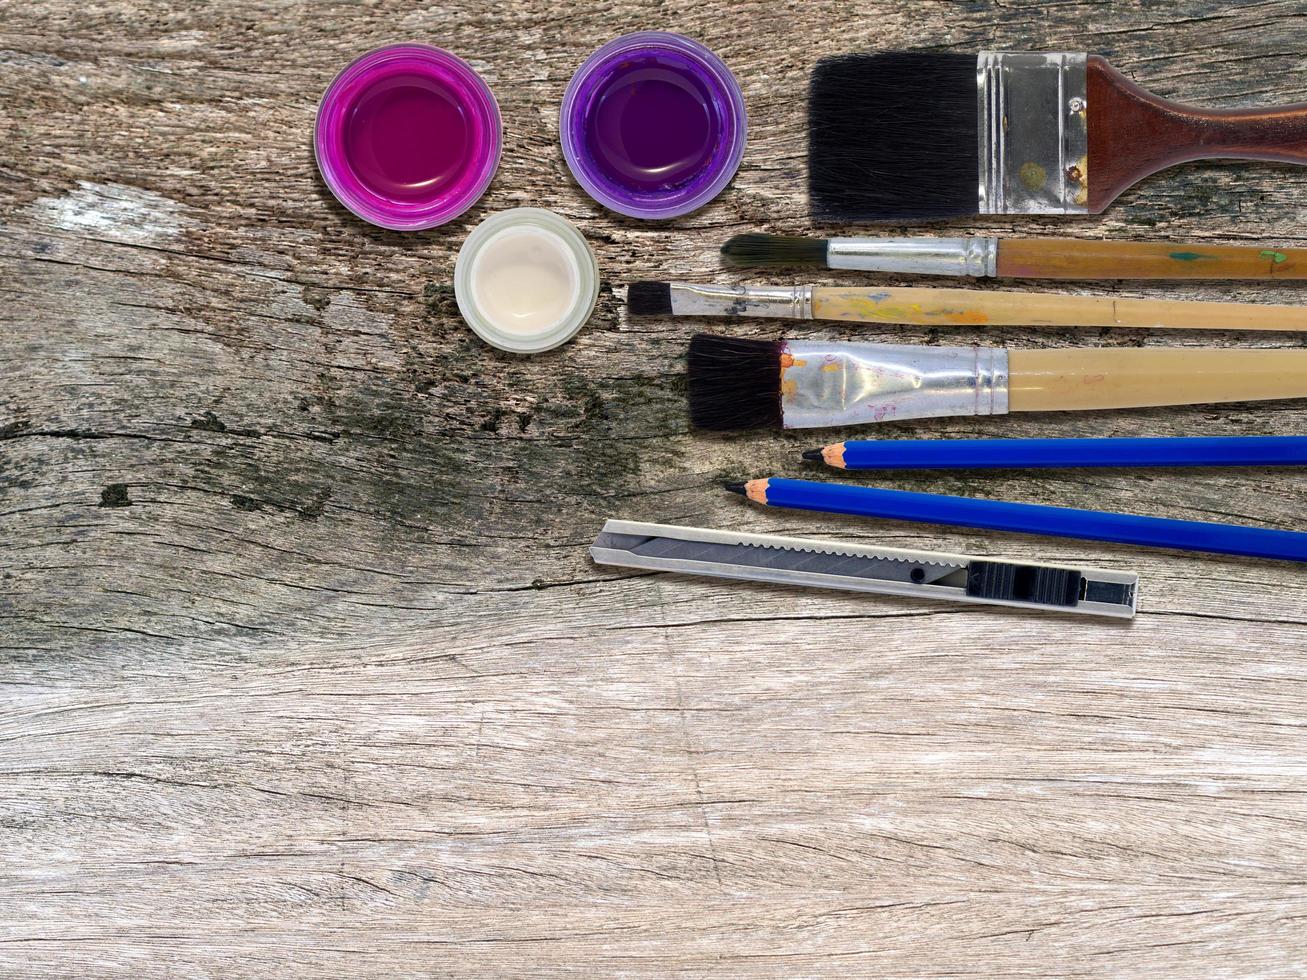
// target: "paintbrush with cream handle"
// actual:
[[737, 383], [954, 307], [1020, 258]]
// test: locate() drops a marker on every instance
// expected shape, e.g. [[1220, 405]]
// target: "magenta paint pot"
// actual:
[[653, 125], [408, 137]]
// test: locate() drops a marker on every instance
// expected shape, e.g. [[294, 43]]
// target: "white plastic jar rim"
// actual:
[[583, 301]]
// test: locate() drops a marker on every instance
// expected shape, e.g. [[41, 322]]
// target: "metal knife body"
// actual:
[[861, 568]]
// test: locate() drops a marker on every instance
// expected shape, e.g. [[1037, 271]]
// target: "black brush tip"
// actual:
[[814, 455], [734, 383], [649, 298], [755, 249], [893, 137], [734, 488]]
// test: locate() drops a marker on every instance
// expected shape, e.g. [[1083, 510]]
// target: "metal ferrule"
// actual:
[[790, 302], [1034, 141], [915, 256], [828, 383]]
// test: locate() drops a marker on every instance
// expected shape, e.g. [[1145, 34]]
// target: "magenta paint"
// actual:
[[408, 137], [653, 125]]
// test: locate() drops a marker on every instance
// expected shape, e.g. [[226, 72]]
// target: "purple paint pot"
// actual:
[[408, 137], [653, 125]]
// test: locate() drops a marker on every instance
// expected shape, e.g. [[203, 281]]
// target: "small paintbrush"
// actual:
[[910, 135], [737, 383], [935, 307], [1020, 258]]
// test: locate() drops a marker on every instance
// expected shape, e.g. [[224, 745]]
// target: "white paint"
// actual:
[[114, 212], [525, 280]]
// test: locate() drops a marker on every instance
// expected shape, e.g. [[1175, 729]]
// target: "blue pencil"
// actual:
[[959, 454], [1001, 515]]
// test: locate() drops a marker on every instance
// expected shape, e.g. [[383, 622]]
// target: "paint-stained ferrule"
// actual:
[[976, 256], [827, 383], [786, 302], [1033, 133]]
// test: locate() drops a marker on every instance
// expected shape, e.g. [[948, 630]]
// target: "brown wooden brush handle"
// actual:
[[1133, 133], [1074, 258], [1090, 378], [929, 306]]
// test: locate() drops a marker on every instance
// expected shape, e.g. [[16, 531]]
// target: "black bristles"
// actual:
[[774, 250], [649, 298], [893, 137], [734, 383]]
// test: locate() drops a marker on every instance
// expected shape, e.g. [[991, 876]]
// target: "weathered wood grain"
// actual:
[[305, 668]]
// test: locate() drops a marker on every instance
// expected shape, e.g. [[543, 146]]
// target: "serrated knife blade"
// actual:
[[816, 560]]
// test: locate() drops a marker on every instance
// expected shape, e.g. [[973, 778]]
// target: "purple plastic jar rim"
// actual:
[[479, 104], [697, 193]]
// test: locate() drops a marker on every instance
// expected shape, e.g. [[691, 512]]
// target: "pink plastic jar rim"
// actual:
[[482, 111]]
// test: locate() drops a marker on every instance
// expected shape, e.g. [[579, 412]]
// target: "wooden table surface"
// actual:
[[306, 669]]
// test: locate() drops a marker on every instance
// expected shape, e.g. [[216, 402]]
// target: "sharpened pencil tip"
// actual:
[[814, 455], [734, 488]]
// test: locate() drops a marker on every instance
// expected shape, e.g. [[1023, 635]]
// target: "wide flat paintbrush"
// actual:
[[934, 307], [735, 383], [910, 135], [1020, 258]]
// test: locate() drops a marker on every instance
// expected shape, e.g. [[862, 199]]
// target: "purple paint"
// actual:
[[653, 125], [408, 137]]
